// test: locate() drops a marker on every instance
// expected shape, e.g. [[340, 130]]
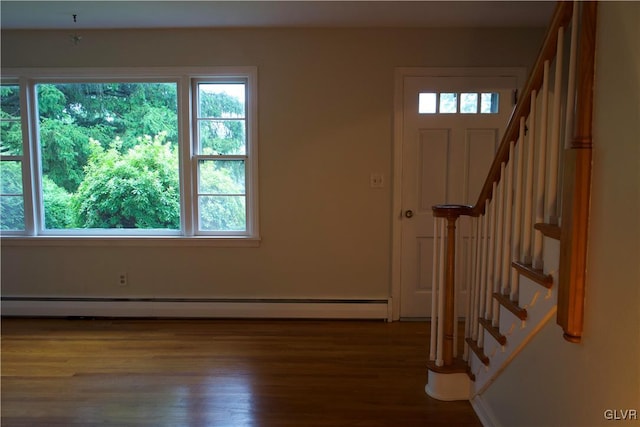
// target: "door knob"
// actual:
[[408, 213]]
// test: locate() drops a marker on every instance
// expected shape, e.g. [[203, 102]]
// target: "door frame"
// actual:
[[398, 119]]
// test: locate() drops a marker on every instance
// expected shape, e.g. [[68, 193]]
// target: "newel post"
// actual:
[[577, 187], [451, 213], [447, 377], [449, 298]]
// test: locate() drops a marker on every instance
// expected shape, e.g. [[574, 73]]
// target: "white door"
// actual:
[[451, 129]]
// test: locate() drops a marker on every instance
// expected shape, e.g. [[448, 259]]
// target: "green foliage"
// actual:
[[10, 129], [65, 152], [11, 213], [138, 189], [10, 177], [10, 136], [221, 136], [224, 211], [52, 102], [10, 95], [11, 201], [57, 205]]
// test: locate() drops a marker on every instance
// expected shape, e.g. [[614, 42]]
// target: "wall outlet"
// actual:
[[123, 280], [376, 180]]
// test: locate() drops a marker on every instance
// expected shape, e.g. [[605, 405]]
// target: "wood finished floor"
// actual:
[[236, 373]]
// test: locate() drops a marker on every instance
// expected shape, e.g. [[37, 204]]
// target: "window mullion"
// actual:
[[31, 164], [187, 175]]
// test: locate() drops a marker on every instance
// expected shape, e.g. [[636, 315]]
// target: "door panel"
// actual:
[[445, 159], [433, 170], [480, 148]]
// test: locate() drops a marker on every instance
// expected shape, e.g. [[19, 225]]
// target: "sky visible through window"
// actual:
[[451, 103]]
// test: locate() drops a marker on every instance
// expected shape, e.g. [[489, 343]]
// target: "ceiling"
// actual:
[[115, 14]]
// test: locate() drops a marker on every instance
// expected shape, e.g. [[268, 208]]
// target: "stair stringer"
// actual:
[[541, 306]]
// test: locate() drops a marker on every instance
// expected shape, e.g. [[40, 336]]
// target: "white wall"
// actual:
[[554, 383], [325, 123]]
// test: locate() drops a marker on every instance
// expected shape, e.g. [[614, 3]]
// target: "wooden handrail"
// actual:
[[561, 17]]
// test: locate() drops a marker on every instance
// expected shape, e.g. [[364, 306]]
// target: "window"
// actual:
[[133, 153], [11, 160], [109, 155], [463, 103], [221, 155]]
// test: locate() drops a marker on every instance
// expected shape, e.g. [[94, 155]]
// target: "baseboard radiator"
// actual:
[[196, 308]]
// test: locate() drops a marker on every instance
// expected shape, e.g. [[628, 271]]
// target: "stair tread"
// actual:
[[535, 274], [493, 330], [473, 345], [550, 230], [512, 306]]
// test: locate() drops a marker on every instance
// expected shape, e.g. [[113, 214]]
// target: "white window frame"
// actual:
[[23, 159], [36, 234]]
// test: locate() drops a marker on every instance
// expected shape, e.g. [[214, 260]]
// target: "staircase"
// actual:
[[525, 260]]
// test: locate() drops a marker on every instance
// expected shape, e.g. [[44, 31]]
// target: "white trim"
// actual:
[[484, 412], [185, 110], [107, 73], [120, 241], [193, 308], [400, 74], [396, 210]]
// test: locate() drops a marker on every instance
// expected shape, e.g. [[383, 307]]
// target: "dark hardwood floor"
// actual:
[[108, 372]]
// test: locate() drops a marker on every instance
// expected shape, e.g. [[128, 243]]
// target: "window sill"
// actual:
[[119, 241]]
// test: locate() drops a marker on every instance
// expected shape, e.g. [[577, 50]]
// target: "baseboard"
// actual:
[[197, 308], [484, 412]]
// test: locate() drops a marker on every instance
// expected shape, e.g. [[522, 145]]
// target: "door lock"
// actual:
[[409, 213]]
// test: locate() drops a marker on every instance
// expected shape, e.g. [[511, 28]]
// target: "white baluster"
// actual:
[[472, 288], [517, 215], [542, 162], [571, 84], [441, 294], [482, 305], [508, 226], [434, 292], [497, 280], [477, 279], [551, 196], [527, 227], [458, 259], [491, 253]]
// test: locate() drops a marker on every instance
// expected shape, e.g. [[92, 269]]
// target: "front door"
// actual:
[[451, 129]]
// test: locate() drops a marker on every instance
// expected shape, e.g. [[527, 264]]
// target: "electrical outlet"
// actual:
[[123, 280], [376, 180]]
